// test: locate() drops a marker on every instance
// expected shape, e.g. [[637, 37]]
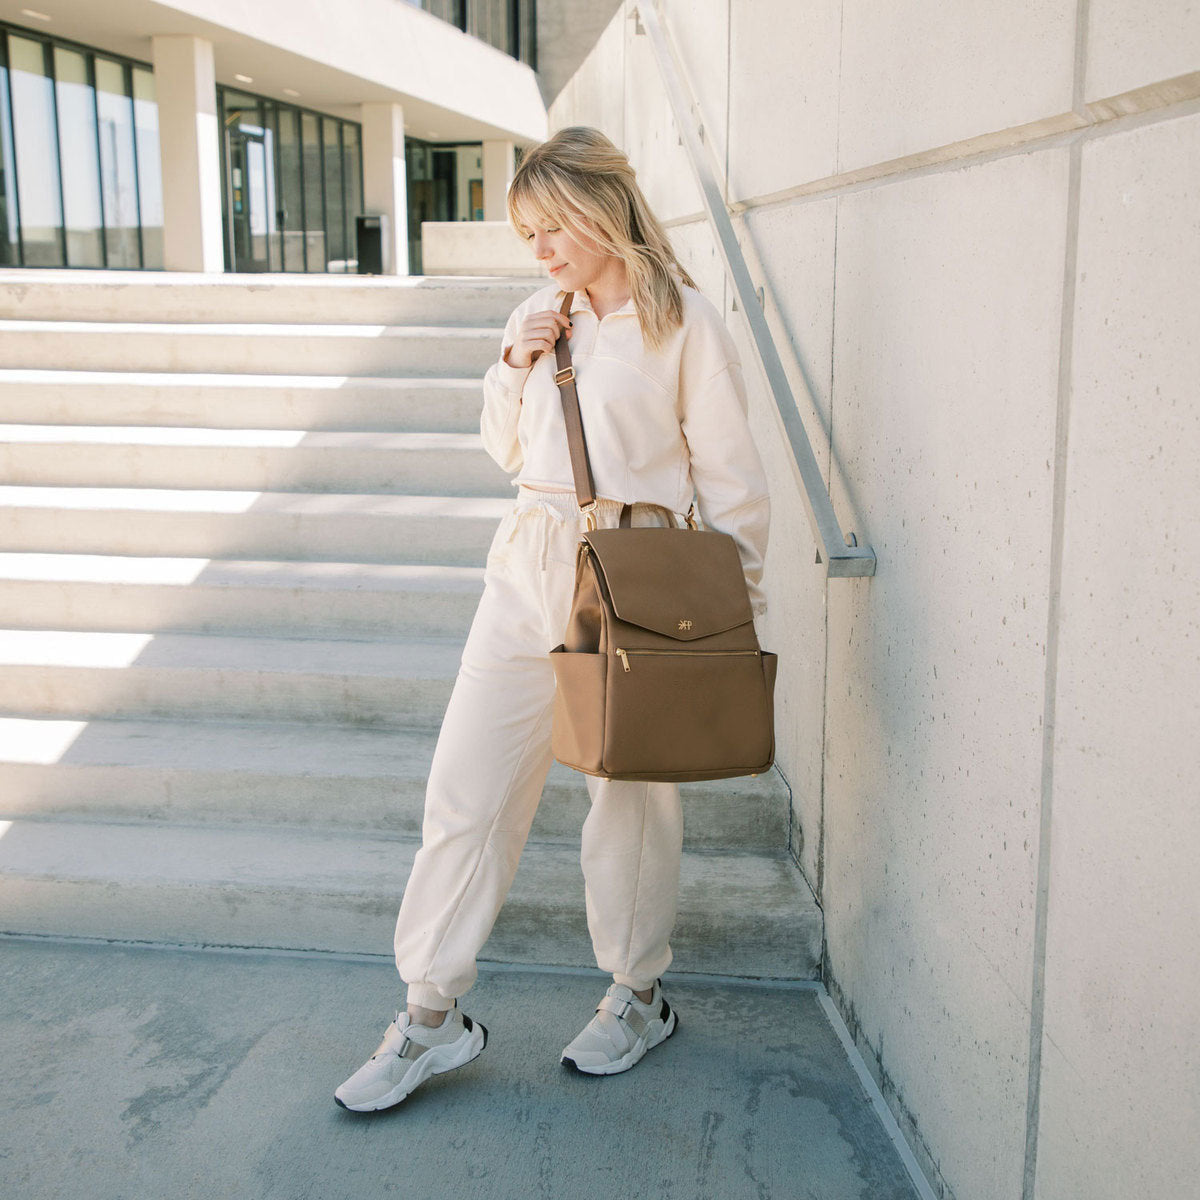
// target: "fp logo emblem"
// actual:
[[685, 624]]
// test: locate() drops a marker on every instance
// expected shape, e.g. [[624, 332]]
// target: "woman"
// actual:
[[664, 409]]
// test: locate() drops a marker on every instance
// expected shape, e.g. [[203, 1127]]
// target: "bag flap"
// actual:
[[681, 583]]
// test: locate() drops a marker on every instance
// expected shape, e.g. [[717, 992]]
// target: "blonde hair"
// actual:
[[579, 176]]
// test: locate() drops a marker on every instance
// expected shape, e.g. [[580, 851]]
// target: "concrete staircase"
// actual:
[[242, 531]]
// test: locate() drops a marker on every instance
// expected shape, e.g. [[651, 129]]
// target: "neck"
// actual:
[[610, 289]]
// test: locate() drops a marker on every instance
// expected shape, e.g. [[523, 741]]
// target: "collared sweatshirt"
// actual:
[[660, 425]]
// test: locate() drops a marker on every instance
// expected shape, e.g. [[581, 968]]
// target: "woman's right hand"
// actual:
[[537, 334]]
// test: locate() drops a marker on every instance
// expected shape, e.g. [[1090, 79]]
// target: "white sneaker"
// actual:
[[621, 1032], [407, 1056]]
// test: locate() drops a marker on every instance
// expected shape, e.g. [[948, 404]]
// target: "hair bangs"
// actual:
[[580, 181]]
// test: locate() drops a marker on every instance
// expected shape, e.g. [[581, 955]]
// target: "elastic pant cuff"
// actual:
[[636, 985], [425, 995]]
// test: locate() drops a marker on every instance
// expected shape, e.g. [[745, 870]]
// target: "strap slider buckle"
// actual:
[[566, 375]]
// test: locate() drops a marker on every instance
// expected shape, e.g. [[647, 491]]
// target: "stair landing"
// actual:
[[202, 1074]]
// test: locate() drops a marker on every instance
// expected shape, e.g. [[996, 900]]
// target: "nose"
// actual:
[[541, 246]]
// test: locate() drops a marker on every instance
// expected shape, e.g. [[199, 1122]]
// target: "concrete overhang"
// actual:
[[325, 55]]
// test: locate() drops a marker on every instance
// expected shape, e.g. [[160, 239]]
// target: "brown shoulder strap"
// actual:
[[581, 467]]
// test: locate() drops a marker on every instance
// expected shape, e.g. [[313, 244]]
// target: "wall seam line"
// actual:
[[833, 187], [728, 94], [820, 889], [1049, 703], [1037, 1002]]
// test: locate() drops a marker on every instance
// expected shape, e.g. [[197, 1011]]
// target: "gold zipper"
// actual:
[[624, 654]]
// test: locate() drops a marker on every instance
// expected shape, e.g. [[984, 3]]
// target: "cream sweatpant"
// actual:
[[490, 764]]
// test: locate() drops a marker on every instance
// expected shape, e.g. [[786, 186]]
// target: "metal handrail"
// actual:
[[845, 558]]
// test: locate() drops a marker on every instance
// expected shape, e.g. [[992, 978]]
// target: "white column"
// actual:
[[189, 142], [385, 179], [498, 168]]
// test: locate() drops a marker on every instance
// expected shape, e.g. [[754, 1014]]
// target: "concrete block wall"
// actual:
[[975, 230]]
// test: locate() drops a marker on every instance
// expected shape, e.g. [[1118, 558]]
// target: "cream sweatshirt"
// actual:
[[660, 426]]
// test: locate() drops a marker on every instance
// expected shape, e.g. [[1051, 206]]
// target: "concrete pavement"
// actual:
[[143, 1072]]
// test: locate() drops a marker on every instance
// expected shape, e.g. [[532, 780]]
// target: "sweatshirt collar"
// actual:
[[580, 301]]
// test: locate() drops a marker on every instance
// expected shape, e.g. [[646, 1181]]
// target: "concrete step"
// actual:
[[312, 775], [91, 592], [328, 527], [228, 401], [739, 914], [294, 460], [131, 296], [412, 350], [68, 673]]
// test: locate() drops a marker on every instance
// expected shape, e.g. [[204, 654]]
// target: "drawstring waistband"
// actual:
[[563, 507], [540, 503]]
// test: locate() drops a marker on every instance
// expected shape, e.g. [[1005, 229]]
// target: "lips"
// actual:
[[555, 270]]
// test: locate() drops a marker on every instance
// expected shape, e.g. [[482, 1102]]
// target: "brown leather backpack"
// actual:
[[661, 676]]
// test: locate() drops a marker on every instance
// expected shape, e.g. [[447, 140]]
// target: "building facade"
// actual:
[[218, 140]]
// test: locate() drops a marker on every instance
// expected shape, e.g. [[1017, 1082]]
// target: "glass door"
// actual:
[[432, 191], [251, 199], [291, 186]]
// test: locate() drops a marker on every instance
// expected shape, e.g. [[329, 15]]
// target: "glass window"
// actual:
[[335, 205], [10, 247], [492, 22], [243, 164], [149, 166], [272, 200], [256, 198], [117, 164], [80, 159], [291, 191], [314, 205], [351, 136], [454, 11], [38, 184]]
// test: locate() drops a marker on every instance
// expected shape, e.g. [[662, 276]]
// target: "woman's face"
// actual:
[[572, 265]]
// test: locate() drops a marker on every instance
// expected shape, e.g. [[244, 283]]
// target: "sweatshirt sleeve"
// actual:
[[502, 387], [726, 469]]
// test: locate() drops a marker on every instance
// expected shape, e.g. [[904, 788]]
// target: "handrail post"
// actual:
[[843, 556]]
